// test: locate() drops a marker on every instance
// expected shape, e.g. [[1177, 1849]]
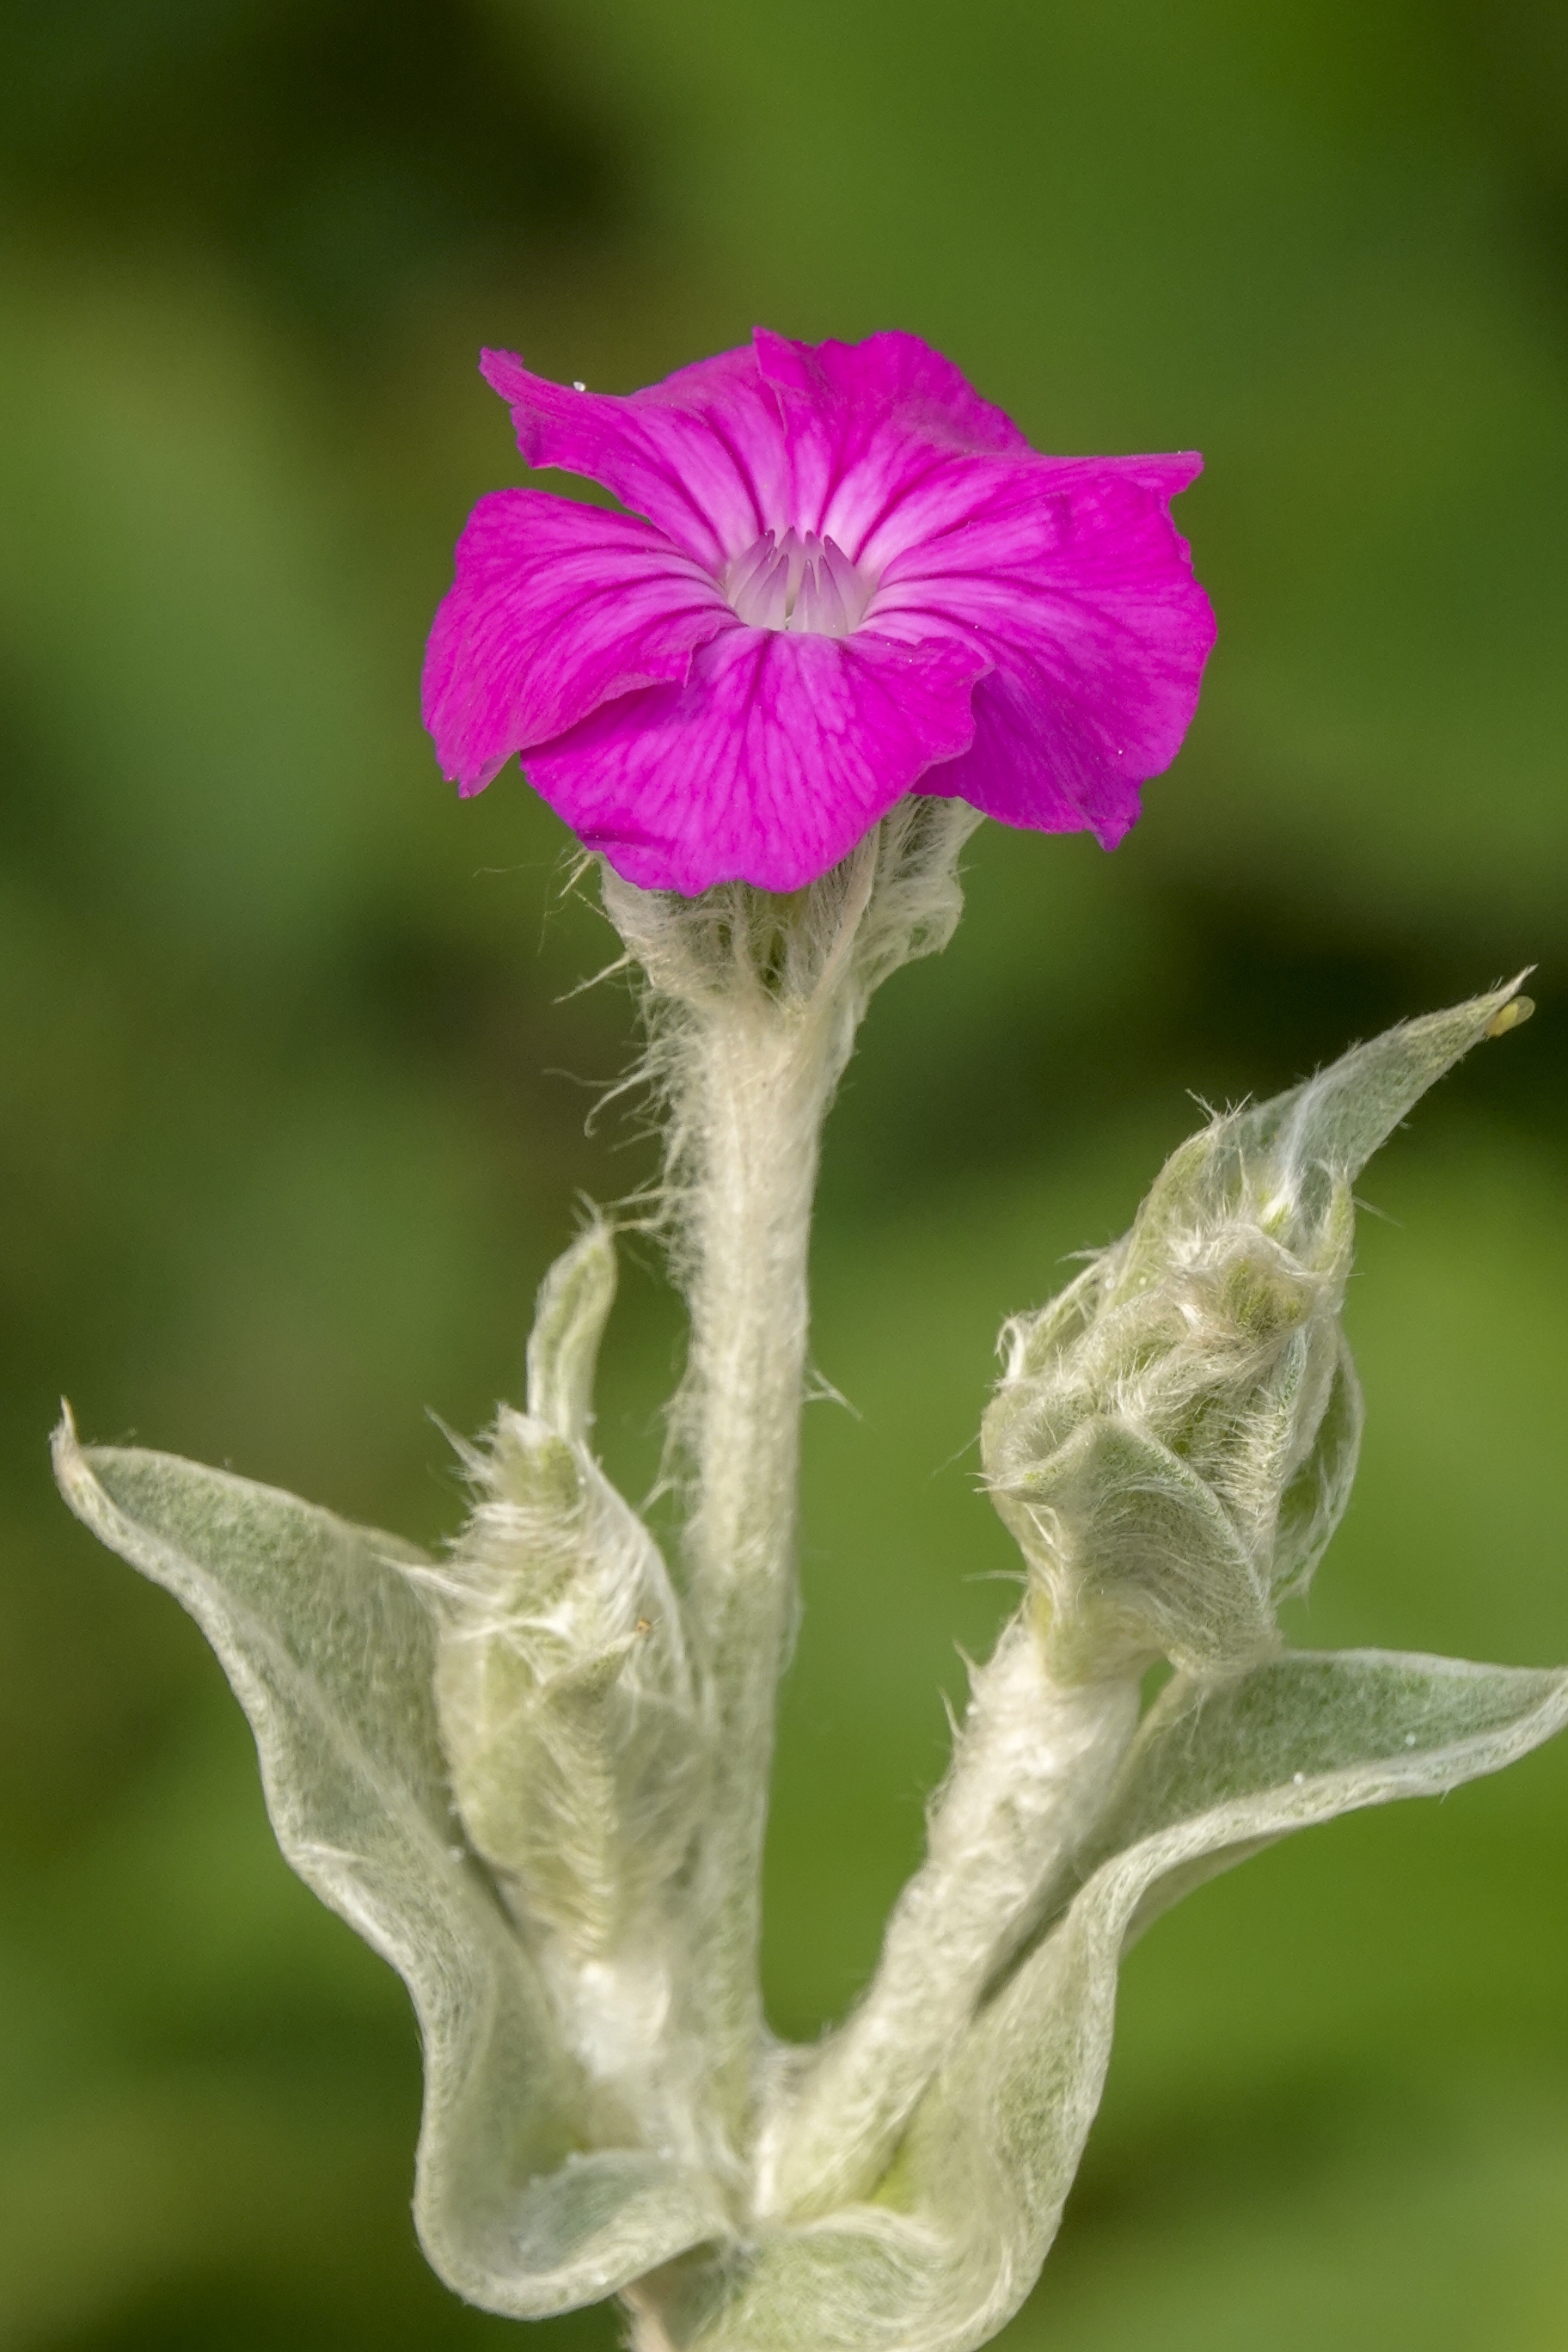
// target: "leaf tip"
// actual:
[[64, 1446]]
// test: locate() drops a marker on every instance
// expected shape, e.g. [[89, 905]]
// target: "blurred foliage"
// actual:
[[287, 1135]]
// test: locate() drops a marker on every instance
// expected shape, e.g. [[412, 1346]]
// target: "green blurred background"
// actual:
[[292, 1094]]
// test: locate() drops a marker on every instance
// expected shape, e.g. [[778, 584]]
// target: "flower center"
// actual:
[[798, 583]]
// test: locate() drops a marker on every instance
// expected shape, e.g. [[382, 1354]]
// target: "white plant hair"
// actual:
[[534, 1772]]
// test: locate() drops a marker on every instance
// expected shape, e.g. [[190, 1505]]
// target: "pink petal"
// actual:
[[776, 434], [893, 375], [557, 607], [1072, 574], [869, 427], [702, 454], [1032, 639], [768, 765]]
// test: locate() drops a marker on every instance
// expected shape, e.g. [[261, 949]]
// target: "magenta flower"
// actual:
[[845, 576]]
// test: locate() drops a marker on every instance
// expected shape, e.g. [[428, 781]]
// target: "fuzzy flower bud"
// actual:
[[1174, 1437], [563, 1686]]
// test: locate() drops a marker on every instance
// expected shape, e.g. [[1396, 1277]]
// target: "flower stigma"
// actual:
[[801, 583]]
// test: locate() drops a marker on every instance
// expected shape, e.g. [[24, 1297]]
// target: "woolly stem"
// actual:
[[758, 1076], [764, 1085], [1033, 1767], [755, 1004]]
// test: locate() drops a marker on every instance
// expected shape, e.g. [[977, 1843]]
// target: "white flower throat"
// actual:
[[798, 581]]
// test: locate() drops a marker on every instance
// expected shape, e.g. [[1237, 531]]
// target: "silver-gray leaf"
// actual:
[[959, 2230], [331, 1651]]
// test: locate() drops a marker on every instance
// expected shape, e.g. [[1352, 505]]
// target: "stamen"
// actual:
[[747, 568], [801, 583]]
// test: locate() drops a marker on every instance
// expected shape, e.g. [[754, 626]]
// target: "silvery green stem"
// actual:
[[1034, 1761], [764, 1080], [755, 1003]]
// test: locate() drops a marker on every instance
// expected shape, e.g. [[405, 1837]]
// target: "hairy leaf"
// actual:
[[330, 1648], [1220, 1768]]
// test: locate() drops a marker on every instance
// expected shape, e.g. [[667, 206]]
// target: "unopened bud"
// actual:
[[1174, 1439], [565, 1696]]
